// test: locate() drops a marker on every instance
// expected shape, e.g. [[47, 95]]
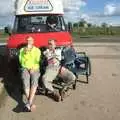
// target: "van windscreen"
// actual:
[[39, 23]]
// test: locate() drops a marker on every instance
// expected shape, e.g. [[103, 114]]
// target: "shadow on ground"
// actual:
[[12, 83]]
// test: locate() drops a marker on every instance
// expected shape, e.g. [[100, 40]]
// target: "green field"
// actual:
[[91, 34], [96, 31], [3, 36]]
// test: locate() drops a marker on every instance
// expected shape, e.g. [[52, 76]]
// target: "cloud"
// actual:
[[6, 8], [6, 20], [86, 17], [110, 9], [73, 8], [6, 12], [97, 20]]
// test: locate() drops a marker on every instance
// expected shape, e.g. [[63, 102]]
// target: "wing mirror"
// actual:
[[7, 30]]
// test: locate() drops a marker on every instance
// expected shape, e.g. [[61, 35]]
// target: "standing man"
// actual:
[[53, 56], [29, 59]]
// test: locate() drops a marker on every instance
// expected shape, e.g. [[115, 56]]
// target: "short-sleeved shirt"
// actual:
[[53, 57]]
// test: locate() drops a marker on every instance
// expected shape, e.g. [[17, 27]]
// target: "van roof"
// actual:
[[23, 7]]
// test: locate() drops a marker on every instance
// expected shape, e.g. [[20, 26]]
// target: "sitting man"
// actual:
[[54, 68], [29, 59]]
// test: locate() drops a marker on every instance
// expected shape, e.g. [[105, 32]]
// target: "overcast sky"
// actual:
[[93, 11]]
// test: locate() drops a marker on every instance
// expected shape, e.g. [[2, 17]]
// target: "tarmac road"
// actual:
[[97, 100]]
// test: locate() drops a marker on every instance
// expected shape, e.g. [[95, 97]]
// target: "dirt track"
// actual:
[[97, 100]]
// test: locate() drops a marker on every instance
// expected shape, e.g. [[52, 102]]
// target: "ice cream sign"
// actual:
[[38, 6]]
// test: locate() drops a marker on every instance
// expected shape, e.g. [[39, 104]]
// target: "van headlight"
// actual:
[[13, 52]]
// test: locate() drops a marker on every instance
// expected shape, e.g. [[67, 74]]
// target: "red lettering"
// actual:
[[37, 1]]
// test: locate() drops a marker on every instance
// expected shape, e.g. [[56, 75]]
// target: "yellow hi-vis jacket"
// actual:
[[30, 59]]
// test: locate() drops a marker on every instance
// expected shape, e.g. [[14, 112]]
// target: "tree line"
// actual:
[[84, 28]]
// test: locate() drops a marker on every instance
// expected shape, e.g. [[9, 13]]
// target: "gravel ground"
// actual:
[[97, 100]]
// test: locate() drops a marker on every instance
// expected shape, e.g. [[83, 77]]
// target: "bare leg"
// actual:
[[32, 94], [27, 93], [34, 83]]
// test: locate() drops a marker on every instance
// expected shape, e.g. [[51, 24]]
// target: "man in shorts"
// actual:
[[29, 59], [54, 68]]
